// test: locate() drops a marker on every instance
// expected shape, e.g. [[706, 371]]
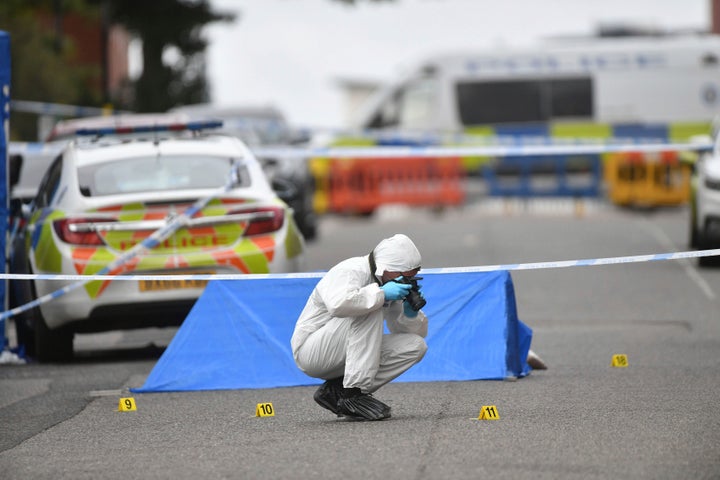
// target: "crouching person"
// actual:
[[339, 336]]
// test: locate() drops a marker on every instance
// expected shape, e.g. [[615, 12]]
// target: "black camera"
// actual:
[[414, 298]]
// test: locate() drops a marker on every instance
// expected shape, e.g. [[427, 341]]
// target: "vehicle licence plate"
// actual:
[[155, 285]]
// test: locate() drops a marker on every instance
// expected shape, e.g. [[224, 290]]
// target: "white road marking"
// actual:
[[687, 265]]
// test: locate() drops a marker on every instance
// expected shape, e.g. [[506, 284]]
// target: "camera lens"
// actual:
[[415, 300]]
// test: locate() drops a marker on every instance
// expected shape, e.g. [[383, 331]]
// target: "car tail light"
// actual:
[[79, 231], [270, 220]]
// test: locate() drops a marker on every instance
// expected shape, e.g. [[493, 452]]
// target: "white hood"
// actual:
[[396, 254]]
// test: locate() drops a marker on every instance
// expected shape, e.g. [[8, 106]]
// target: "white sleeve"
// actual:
[[345, 293]]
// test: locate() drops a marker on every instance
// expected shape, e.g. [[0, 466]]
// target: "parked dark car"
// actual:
[[265, 126]]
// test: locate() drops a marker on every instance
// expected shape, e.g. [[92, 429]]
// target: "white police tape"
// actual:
[[84, 279], [580, 263], [60, 109], [500, 150], [478, 150], [444, 270]]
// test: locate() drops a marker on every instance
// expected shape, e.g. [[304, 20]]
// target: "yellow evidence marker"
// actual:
[[489, 412], [264, 410], [127, 404], [619, 360]]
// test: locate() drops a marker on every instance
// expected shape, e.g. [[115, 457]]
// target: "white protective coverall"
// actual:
[[340, 331]]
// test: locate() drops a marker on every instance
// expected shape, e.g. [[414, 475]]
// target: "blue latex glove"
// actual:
[[395, 291], [408, 311]]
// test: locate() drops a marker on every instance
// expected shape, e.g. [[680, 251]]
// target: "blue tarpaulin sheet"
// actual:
[[238, 334]]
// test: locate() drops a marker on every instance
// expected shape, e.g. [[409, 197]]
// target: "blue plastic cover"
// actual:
[[238, 334]]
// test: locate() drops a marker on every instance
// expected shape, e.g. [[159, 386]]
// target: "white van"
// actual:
[[672, 81]]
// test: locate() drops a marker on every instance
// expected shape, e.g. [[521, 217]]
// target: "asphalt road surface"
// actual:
[[657, 418]]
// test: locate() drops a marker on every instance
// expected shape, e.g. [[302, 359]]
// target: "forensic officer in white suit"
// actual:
[[339, 336]]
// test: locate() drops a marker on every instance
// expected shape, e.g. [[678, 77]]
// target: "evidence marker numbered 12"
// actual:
[[619, 360]]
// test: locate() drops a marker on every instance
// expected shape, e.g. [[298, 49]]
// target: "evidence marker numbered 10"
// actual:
[[264, 410]]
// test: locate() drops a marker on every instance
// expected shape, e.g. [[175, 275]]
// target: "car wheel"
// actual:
[[308, 225], [708, 261], [694, 234], [46, 345], [52, 345], [704, 244], [25, 337]]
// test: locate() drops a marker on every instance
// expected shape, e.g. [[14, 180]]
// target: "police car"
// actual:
[[256, 126], [705, 202], [178, 200]]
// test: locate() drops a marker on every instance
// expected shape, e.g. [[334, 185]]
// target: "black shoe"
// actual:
[[356, 405], [328, 394]]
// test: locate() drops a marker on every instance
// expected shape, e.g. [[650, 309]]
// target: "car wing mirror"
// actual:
[[285, 189], [299, 137], [26, 210]]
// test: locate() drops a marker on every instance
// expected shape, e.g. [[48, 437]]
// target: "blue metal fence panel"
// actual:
[[4, 200], [545, 176], [648, 132]]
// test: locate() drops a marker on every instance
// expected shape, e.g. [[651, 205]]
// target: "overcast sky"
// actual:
[[290, 53]]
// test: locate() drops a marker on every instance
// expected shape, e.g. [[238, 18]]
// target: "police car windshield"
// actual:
[[152, 174]]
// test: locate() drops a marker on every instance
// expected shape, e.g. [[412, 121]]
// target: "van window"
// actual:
[[410, 106], [388, 114], [416, 105], [571, 98], [510, 101]]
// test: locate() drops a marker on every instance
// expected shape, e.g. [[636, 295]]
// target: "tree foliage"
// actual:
[[41, 56], [39, 62], [166, 27]]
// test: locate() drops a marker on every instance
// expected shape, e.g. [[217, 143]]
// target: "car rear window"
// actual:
[[152, 174]]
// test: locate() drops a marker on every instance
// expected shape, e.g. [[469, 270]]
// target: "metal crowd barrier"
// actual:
[[647, 179], [533, 176], [361, 185]]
